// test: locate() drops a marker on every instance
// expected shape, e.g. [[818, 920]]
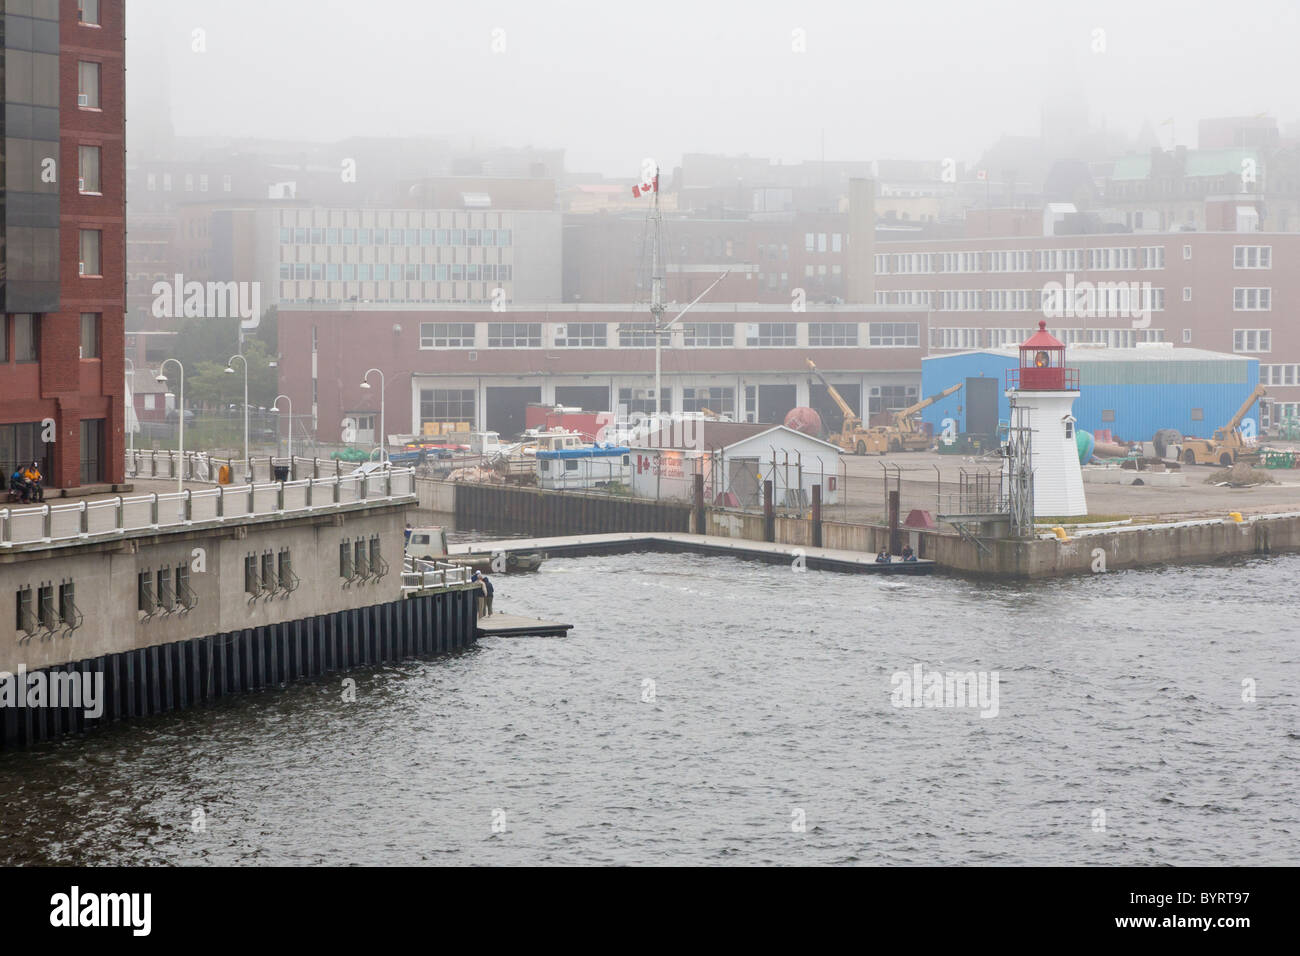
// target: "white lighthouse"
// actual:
[[1046, 389]]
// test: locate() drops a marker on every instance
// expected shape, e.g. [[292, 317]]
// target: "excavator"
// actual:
[[851, 437], [1227, 445], [903, 435]]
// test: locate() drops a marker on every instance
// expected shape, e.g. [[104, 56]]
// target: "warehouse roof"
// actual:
[[1077, 354]]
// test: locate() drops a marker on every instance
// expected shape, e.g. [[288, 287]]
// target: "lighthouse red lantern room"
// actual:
[[1046, 390], [1042, 365]]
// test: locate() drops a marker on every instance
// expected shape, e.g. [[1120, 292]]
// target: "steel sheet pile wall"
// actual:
[[562, 512], [161, 678]]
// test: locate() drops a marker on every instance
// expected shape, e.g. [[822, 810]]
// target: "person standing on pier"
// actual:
[[488, 589]]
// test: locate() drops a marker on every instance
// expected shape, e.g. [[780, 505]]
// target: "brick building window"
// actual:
[[514, 335], [88, 86], [90, 244], [90, 335], [771, 334], [26, 338], [581, 335], [88, 12], [88, 169], [895, 334], [829, 334]]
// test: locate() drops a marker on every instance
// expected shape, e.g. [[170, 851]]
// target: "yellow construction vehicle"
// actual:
[[851, 437], [1227, 445], [903, 434]]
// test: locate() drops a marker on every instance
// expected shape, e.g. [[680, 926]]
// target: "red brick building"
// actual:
[[476, 365], [63, 258], [1221, 291]]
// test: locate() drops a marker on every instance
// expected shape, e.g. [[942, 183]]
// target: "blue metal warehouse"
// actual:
[[1133, 392]]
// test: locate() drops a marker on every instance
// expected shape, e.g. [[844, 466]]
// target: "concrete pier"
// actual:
[[817, 559]]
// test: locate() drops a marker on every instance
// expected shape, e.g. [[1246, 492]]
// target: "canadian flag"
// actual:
[[652, 186], [982, 174]]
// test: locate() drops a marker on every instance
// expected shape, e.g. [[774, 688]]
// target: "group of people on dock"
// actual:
[[484, 598], [26, 484], [908, 556]]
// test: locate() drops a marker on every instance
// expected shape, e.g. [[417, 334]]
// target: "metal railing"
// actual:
[[106, 517], [202, 468], [423, 575]]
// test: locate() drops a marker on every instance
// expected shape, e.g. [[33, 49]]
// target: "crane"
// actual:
[[851, 437], [903, 435], [1228, 444]]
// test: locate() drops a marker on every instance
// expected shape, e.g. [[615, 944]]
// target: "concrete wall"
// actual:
[[105, 576], [1183, 543], [436, 495]]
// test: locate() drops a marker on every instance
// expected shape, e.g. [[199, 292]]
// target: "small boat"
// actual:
[[514, 563], [430, 544]]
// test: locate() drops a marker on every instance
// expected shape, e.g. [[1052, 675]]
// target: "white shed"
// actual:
[[735, 459]]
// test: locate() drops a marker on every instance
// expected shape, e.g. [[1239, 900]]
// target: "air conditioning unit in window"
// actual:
[[83, 99], [561, 332], [81, 184], [81, 268]]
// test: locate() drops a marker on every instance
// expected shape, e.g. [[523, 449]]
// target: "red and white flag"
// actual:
[[652, 186], [982, 174]]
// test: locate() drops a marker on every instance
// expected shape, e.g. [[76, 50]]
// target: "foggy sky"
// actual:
[[612, 82]]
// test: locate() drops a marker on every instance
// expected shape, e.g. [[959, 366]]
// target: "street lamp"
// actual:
[[180, 415], [383, 434], [277, 437], [230, 370]]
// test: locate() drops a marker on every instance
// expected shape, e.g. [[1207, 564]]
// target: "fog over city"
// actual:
[[611, 83], [580, 433]]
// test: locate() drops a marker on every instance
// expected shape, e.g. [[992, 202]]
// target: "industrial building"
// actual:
[[1130, 392]]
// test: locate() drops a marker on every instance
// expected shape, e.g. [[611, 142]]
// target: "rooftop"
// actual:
[[1078, 354]]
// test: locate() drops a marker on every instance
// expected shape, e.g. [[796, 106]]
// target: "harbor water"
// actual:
[[711, 710]]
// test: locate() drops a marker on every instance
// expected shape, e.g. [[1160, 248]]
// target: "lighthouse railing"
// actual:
[[1047, 379]]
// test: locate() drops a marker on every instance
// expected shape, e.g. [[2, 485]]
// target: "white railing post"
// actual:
[[119, 515]]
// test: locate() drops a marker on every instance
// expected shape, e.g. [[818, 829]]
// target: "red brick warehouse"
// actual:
[[62, 258]]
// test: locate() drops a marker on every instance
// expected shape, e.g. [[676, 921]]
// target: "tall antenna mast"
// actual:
[[657, 293], [657, 306]]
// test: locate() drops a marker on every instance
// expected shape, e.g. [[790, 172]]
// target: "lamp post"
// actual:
[[180, 415], [290, 402], [383, 433], [131, 418], [230, 370]]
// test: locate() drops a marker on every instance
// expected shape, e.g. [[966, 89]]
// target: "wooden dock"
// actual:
[[814, 559], [511, 625]]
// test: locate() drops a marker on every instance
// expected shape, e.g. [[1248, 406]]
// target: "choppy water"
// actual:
[[771, 700]]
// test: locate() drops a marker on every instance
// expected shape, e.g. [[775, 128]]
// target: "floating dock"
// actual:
[[511, 625], [815, 559]]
